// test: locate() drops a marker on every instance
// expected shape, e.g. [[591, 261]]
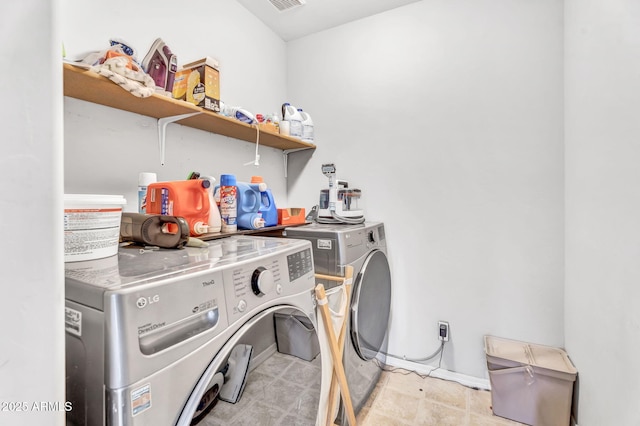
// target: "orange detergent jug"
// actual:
[[188, 199]]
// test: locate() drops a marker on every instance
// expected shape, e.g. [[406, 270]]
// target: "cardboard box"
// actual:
[[291, 216], [199, 83]]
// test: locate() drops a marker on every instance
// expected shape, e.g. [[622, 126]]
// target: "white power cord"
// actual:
[[256, 160]]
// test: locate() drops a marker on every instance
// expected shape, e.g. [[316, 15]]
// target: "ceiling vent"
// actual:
[[283, 5]]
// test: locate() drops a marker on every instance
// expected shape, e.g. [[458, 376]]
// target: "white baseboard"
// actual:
[[473, 382], [258, 359]]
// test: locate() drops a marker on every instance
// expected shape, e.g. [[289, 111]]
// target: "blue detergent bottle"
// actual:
[[249, 216], [268, 207]]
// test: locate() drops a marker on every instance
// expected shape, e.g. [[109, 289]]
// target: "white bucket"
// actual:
[[91, 226]]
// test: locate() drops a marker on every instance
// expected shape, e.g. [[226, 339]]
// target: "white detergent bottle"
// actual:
[[292, 115], [307, 126], [215, 221]]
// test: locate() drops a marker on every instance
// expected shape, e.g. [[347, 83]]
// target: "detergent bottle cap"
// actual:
[[206, 183], [200, 228], [258, 222], [227, 180], [210, 179], [262, 186]]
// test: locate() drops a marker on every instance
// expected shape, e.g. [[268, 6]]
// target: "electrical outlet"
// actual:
[[443, 331]]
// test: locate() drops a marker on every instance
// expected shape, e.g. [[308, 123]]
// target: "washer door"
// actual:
[[259, 391], [370, 306]]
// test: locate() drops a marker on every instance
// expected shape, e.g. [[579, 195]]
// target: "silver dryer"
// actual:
[[364, 247]]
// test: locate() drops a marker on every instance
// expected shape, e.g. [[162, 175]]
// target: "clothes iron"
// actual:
[[236, 374], [161, 65]]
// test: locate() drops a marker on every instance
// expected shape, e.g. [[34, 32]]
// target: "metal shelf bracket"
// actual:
[[285, 157], [162, 130]]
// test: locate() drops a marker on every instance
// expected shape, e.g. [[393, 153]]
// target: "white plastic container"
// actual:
[[91, 226], [307, 126], [292, 115], [531, 384], [215, 221], [285, 128], [144, 180]]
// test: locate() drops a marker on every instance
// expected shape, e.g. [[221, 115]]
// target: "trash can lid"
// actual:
[[524, 353]]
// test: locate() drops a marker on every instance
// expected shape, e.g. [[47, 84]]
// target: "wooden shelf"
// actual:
[[88, 86]]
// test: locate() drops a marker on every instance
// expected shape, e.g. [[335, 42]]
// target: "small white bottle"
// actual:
[[144, 180]]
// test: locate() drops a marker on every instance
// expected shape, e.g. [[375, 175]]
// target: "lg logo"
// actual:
[[144, 301]]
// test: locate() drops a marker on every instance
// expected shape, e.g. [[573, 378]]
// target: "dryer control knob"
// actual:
[[262, 281]]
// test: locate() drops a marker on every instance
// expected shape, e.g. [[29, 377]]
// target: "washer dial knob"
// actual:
[[262, 281]]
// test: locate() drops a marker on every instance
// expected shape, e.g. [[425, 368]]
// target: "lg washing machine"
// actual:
[[151, 335], [364, 247]]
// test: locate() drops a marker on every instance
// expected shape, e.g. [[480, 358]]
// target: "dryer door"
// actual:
[[370, 305]]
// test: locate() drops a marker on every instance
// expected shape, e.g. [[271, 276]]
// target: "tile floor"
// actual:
[[281, 391], [284, 391], [402, 398]]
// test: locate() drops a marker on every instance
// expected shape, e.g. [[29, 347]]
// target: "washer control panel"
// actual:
[[251, 284], [299, 264]]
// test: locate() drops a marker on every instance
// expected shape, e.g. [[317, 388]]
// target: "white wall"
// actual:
[[448, 115], [32, 301], [105, 149], [602, 318]]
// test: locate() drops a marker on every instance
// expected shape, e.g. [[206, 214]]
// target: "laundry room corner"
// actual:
[[448, 117]]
